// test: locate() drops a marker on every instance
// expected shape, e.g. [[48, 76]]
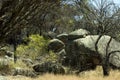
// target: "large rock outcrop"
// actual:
[[90, 50], [108, 50], [87, 45]]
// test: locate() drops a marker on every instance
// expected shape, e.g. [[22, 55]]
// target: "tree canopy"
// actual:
[[59, 16]]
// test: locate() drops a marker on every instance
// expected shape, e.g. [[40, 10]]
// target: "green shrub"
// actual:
[[35, 48], [52, 57]]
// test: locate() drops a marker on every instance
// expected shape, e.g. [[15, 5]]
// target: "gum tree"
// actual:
[[19, 15]]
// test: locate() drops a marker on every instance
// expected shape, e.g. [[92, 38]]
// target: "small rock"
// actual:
[[3, 78], [24, 72], [49, 67]]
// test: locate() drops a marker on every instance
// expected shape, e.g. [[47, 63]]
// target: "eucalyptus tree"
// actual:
[[101, 15], [19, 15]]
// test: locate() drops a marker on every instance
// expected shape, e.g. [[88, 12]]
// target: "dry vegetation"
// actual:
[[89, 75]]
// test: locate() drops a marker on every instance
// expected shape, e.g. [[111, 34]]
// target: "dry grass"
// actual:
[[89, 75]]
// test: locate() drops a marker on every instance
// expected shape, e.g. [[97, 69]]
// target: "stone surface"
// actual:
[[63, 37], [87, 46], [56, 45], [80, 33]]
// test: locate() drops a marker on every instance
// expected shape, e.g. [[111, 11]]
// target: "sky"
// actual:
[[117, 1]]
